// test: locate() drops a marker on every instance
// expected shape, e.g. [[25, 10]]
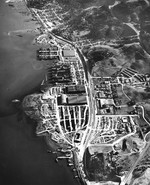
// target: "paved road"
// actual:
[[125, 180], [91, 117], [82, 59]]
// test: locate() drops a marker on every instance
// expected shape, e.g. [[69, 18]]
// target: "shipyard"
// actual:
[[92, 120], [86, 116]]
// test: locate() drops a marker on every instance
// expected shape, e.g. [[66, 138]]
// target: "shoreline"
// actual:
[[24, 31], [20, 72], [25, 18], [23, 155]]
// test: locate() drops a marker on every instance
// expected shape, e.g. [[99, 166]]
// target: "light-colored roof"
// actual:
[[68, 53]]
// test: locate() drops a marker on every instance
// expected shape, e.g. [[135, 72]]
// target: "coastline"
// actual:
[[20, 72], [23, 158]]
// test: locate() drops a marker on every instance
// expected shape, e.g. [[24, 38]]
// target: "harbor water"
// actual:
[[23, 156]]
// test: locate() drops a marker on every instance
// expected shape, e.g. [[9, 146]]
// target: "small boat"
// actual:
[[70, 164], [15, 101], [56, 160]]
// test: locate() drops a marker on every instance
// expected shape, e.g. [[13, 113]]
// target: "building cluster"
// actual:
[[133, 78], [65, 110], [44, 39], [42, 107], [111, 128], [63, 66], [73, 118], [59, 74], [103, 96], [64, 105], [49, 15], [55, 115], [50, 53], [70, 56]]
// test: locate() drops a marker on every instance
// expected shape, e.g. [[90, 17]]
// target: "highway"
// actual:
[[88, 131], [81, 57]]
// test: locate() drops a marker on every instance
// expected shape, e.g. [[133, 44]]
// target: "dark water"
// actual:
[[23, 156], [19, 73]]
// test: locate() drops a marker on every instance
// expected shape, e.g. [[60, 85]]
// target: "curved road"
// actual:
[[125, 180]]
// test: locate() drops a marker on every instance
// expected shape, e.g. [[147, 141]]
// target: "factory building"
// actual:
[[68, 53], [75, 89], [72, 100]]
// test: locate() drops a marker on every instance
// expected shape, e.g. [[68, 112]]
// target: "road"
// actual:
[[87, 133], [143, 114], [81, 57], [125, 180], [91, 102]]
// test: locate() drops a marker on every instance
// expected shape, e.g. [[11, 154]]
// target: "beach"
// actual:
[[23, 158]]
